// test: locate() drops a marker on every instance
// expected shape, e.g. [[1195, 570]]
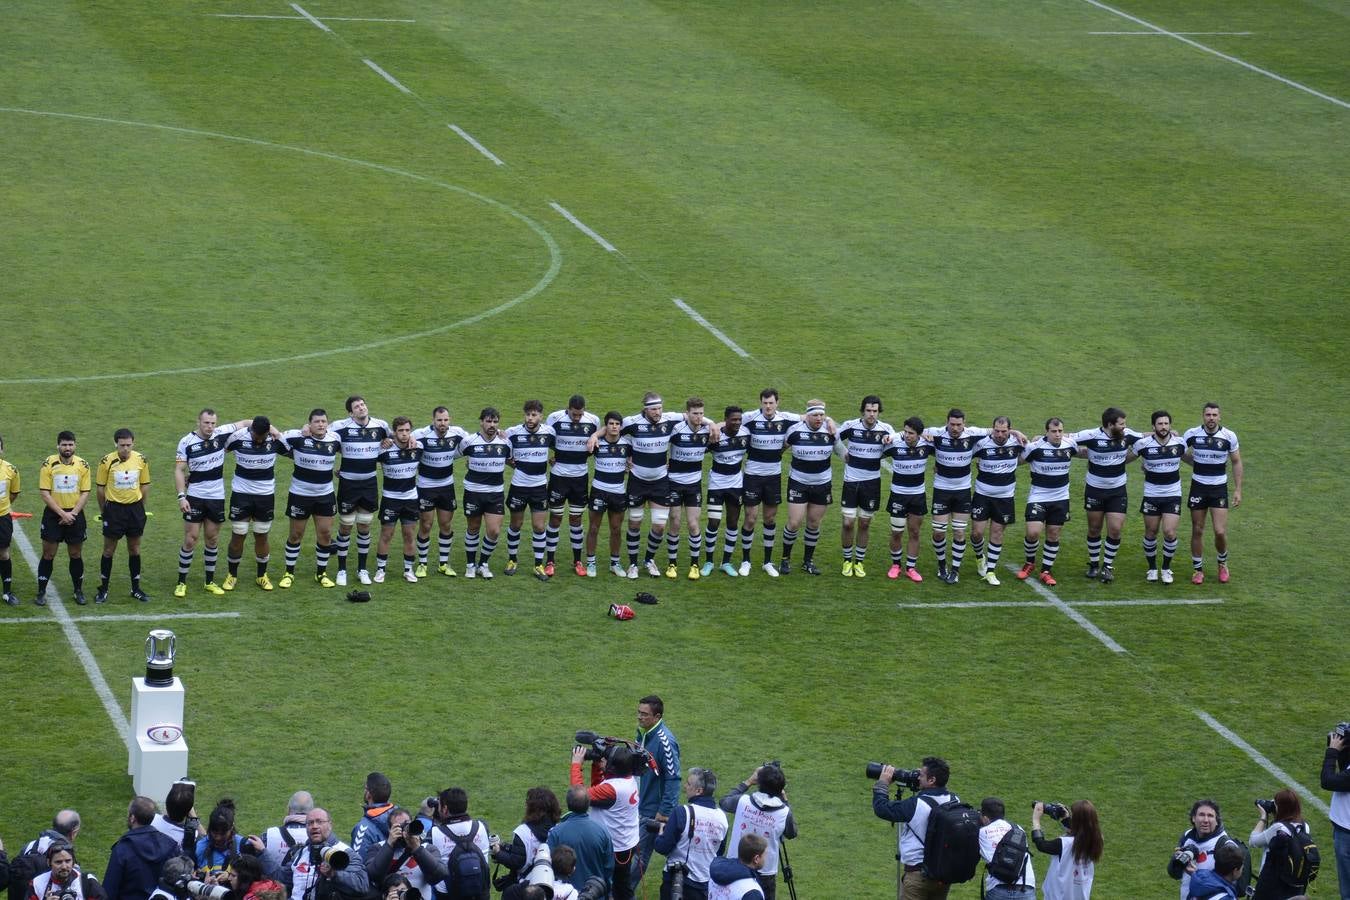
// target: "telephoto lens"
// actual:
[[414, 828]]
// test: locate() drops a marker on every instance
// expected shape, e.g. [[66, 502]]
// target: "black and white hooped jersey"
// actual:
[[205, 458], [767, 438], [1209, 454], [360, 446], [951, 472], [570, 455], [1049, 464], [728, 455], [315, 459], [611, 464], [812, 451], [1106, 456], [909, 465], [651, 443], [1162, 464], [866, 446], [400, 466], [485, 462], [996, 467], [438, 455], [255, 463], [529, 451], [687, 448]]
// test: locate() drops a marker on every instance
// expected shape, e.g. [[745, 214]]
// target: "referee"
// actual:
[[9, 489], [123, 482], [63, 483]]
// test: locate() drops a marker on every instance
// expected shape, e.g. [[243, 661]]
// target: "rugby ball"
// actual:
[[164, 734]]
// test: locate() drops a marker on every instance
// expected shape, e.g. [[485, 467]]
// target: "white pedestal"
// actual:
[[155, 767]]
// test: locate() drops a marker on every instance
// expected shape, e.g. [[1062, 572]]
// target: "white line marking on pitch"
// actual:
[[1176, 33], [993, 604], [477, 146], [1233, 59], [1256, 757], [77, 643], [716, 332], [583, 228], [302, 18], [385, 75], [1082, 620], [128, 617], [315, 22]]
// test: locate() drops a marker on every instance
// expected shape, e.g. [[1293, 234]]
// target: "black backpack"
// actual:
[[1300, 861], [1010, 857], [951, 844], [466, 866]]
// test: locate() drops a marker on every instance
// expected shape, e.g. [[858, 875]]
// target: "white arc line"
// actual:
[[474, 143], [77, 643], [315, 22], [385, 75], [716, 332], [121, 617], [1082, 620], [1232, 59], [1256, 757], [583, 227]]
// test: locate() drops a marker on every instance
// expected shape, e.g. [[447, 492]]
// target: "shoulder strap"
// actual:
[[286, 837], [689, 841]]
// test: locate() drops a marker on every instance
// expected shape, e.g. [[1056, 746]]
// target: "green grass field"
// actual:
[[986, 205]]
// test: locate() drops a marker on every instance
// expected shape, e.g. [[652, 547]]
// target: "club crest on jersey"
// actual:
[[309, 442]]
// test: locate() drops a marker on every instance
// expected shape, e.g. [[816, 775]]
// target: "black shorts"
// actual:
[[569, 489], [1002, 510], [766, 489], [1160, 506], [123, 519], [476, 504], [257, 507], [948, 502], [299, 506], [201, 509], [642, 492], [1107, 500], [1051, 512], [393, 510], [536, 498], [725, 496], [906, 505], [603, 500], [1208, 496], [813, 494], [863, 495], [53, 532], [436, 498], [690, 495], [353, 495], [6, 531]]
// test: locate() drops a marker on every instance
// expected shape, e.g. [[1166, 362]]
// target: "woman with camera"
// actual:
[[1195, 849], [542, 812], [1073, 857], [221, 844], [1288, 814]]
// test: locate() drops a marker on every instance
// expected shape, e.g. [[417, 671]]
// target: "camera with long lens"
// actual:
[[599, 747], [1057, 811], [1184, 857], [413, 828], [595, 889], [68, 893], [653, 825], [677, 873], [204, 891], [908, 777], [1267, 806], [432, 803], [337, 858]]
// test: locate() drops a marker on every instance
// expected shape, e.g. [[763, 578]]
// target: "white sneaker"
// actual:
[[484, 571], [342, 578], [652, 569], [1166, 576], [409, 576], [1152, 575], [590, 570], [470, 571], [379, 576], [744, 568], [770, 569], [633, 571], [619, 570], [990, 578], [363, 576]]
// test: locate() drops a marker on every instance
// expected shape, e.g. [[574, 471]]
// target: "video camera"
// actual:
[[907, 777], [600, 747], [1057, 811]]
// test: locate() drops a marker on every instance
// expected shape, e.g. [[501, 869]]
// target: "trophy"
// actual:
[[159, 652]]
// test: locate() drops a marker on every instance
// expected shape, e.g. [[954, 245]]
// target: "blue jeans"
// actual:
[[1341, 841], [1010, 892]]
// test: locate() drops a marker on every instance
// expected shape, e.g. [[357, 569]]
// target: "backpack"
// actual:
[[1299, 862], [951, 845], [29, 864], [466, 866], [1010, 857]]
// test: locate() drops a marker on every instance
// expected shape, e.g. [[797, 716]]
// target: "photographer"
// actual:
[[764, 812], [541, 814], [221, 845], [591, 846], [1336, 778], [1074, 856], [1273, 883], [322, 868], [462, 843], [404, 853], [174, 878], [138, 856], [63, 879], [179, 822], [279, 839], [1219, 882], [930, 786], [659, 789], [1008, 874], [736, 878], [693, 837], [1196, 848], [614, 799]]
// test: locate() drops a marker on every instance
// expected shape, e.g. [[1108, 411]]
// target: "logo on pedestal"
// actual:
[[165, 733]]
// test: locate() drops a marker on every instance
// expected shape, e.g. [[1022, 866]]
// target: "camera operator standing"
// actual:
[[321, 868], [764, 812], [693, 836], [1003, 845], [1196, 848], [403, 852], [930, 786], [1074, 856], [614, 803], [63, 879], [463, 845], [1277, 881], [1336, 778], [659, 791]]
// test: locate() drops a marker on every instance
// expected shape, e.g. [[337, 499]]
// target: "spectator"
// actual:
[[590, 842], [138, 856]]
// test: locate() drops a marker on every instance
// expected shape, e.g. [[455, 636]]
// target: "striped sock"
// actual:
[[810, 537], [710, 538], [321, 553], [344, 542], [1151, 552], [653, 544], [538, 542], [770, 532], [1094, 546], [789, 539], [1112, 547], [471, 548], [292, 556], [577, 536], [1048, 555], [1029, 550], [512, 542], [362, 548], [209, 557], [958, 549], [551, 542], [1169, 551], [489, 544], [991, 558], [423, 548], [445, 542], [184, 564], [634, 545], [695, 546]]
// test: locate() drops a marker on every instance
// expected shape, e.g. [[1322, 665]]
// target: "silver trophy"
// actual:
[[159, 653]]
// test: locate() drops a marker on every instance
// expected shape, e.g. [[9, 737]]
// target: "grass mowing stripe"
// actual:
[[1262, 761], [715, 331], [475, 144], [1072, 613]]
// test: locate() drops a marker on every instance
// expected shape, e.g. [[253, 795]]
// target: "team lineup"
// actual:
[[610, 472]]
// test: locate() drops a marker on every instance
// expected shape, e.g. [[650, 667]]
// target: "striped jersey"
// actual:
[[951, 472], [400, 466], [996, 465], [651, 443], [255, 464], [862, 461], [529, 452], [611, 464], [485, 461], [360, 446], [909, 465], [1105, 456], [438, 455], [569, 442], [687, 448], [1209, 454], [1049, 464], [728, 454], [315, 459], [767, 437], [1162, 464], [205, 458], [812, 450]]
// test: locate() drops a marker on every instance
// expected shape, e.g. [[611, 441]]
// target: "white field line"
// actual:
[[77, 643], [995, 604], [1256, 757], [1232, 59], [128, 617], [313, 21], [301, 18], [1082, 620], [474, 143], [385, 75], [1176, 33], [583, 227], [715, 331], [1155, 601]]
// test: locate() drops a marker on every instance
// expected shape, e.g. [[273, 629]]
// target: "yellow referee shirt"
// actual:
[[9, 485], [64, 482], [122, 479]]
